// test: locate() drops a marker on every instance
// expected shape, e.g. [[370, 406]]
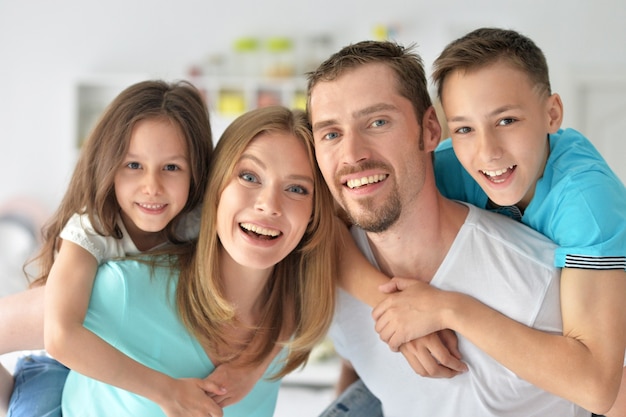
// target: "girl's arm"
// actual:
[[238, 378], [68, 291], [584, 364]]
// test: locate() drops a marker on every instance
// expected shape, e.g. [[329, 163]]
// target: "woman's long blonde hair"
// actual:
[[91, 189], [300, 294]]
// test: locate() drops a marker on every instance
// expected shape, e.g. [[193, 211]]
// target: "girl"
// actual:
[[142, 170], [263, 271]]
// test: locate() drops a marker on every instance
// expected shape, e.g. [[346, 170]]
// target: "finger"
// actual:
[[380, 309], [395, 340], [442, 356], [401, 284], [222, 400], [433, 367], [215, 410], [211, 387], [388, 287], [226, 401], [423, 363], [451, 342]]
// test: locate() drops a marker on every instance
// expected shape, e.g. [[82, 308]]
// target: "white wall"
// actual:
[[45, 47]]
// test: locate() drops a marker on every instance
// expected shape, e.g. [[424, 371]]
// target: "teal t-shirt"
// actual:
[[133, 308], [579, 203]]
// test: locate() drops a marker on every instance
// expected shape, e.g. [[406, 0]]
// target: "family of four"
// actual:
[[186, 281]]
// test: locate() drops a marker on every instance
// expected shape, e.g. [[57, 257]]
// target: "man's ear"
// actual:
[[555, 113], [431, 129]]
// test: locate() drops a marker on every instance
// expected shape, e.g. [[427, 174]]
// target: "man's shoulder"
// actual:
[[515, 236]]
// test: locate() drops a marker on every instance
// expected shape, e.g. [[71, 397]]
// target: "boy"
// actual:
[[508, 153]]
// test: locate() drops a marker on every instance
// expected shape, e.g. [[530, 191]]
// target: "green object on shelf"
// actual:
[[246, 44], [279, 44]]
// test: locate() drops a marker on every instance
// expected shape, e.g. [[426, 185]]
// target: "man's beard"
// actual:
[[375, 219]]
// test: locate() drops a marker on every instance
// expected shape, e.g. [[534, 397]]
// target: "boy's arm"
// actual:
[[434, 355], [619, 407], [357, 276], [68, 291], [593, 339]]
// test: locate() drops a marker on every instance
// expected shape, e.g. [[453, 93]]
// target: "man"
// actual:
[[375, 130]]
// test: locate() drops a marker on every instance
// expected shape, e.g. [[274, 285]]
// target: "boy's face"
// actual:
[[499, 124]]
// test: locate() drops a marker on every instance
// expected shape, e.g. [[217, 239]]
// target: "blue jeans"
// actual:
[[356, 401], [38, 388]]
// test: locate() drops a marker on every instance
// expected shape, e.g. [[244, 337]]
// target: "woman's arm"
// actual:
[[21, 327]]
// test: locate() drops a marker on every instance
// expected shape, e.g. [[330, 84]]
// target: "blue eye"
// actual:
[[171, 167], [331, 136], [133, 165], [298, 189], [248, 177], [378, 123], [463, 130]]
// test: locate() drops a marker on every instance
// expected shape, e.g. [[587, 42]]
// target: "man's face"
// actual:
[[367, 142]]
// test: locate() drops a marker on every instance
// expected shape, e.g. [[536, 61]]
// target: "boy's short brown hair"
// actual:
[[486, 46]]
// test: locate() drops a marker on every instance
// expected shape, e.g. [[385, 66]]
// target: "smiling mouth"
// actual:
[[259, 232], [499, 175], [360, 182], [151, 206]]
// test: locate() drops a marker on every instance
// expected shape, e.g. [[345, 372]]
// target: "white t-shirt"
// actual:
[[80, 231], [504, 265]]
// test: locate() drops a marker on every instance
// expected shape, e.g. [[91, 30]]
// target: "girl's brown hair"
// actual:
[[91, 189], [299, 296]]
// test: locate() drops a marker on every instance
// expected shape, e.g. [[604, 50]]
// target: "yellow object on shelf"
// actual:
[[231, 102]]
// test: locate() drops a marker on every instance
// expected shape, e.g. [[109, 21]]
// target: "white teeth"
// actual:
[[152, 206], [355, 183], [260, 230], [497, 172]]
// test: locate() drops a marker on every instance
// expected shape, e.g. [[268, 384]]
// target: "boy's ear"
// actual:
[[555, 113]]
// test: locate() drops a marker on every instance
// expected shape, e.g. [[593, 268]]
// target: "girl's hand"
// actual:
[[237, 382], [435, 355], [190, 397]]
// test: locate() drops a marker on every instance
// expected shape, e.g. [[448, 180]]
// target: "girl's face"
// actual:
[[152, 184], [266, 206]]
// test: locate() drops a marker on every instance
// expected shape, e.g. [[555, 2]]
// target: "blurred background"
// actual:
[[63, 61]]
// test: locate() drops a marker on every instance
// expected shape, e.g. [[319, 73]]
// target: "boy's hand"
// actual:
[[435, 355], [189, 397], [413, 309], [237, 382]]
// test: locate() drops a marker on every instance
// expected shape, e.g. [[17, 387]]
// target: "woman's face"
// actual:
[[266, 206]]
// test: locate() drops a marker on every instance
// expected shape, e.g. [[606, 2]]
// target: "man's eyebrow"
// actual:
[[324, 123], [359, 113], [374, 109]]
